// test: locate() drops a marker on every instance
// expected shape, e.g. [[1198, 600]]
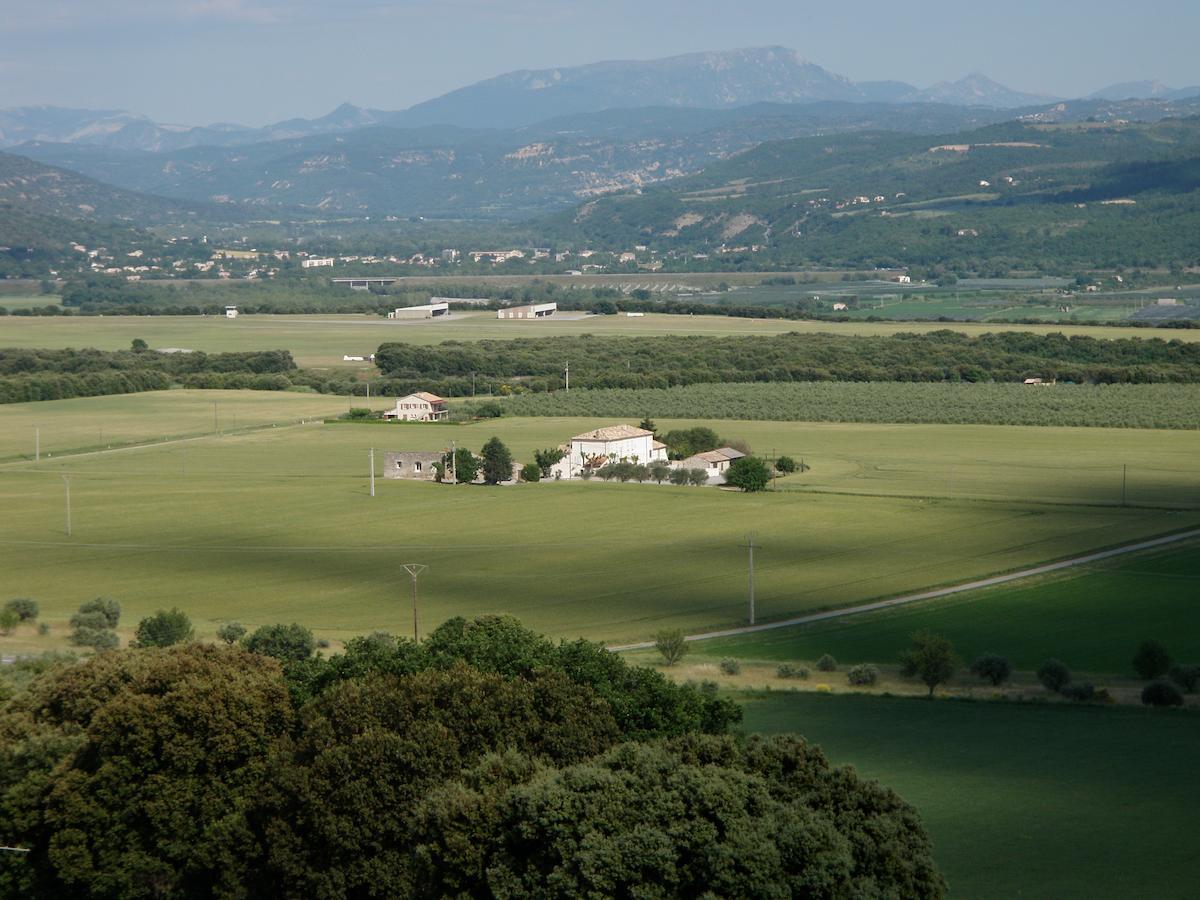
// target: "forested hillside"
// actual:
[[1011, 196]]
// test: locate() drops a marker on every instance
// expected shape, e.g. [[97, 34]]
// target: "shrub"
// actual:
[[359, 414], [231, 632], [1187, 677], [862, 674], [785, 465], [489, 409], [827, 664], [1081, 692], [323, 643], [1054, 675], [98, 639], [106, 606], [24, 607], [164, 629], [9, 620], [1151, 660], [731, 666], [992, 667], [43, 628], [1161, 693], [290, 643], [698, 477], [748, 473], [531, 472], [671, 645], [791, 670], [679, 476]]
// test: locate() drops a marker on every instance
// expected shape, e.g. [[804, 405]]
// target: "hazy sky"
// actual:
[[257, 61]]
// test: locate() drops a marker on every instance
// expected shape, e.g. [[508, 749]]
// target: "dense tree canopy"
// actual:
[[486, 761]]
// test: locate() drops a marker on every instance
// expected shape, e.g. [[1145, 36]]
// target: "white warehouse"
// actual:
[[428, 311], [532, 311]]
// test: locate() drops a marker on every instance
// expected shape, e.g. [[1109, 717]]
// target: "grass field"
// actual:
[[90, 423], [1023, 800], [1092, 618], [320, 341], [276, 525]]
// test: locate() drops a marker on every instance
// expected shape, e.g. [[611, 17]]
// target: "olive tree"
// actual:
[[931, 659]]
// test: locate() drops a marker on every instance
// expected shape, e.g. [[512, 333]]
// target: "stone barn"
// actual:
[[417, 465]]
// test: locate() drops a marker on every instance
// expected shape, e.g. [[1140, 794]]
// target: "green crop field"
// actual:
[[276, 524], [90, 423], [1092, 618], [1112, 405], [1023, 800], [324, 340]]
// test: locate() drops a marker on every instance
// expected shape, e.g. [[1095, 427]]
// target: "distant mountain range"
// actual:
[[518, 145], [718, 80]]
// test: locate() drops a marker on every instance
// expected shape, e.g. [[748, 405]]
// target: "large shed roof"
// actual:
[[612, 433]]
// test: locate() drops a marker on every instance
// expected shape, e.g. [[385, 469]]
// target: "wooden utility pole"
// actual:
[[750, 546]]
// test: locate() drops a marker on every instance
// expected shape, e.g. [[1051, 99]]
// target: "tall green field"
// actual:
[[1023, 800], [318, 341], [277, 525], [1092, 618]]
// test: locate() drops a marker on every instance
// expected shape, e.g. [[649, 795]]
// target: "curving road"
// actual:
[[930, 595]]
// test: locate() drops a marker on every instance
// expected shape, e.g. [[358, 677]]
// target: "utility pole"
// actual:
[[472, 384], [372, 471], [568, 376], [67, 481], [453, 464], [750, 546], [774, 471], [414, 569]]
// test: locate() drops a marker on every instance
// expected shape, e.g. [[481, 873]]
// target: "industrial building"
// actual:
[[428, 311], [532, 311]]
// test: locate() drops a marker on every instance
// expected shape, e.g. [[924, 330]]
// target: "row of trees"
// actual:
[[658, 362], [484, 761]]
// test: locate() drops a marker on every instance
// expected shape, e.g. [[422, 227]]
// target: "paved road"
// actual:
[[930, 595]]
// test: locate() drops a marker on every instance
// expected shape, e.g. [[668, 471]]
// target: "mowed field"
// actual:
[[1092, 618], [1023, 800], [322, 341], [93, 423], [277, 524]]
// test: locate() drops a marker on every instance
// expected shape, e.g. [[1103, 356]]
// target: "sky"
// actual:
[[259, 61]]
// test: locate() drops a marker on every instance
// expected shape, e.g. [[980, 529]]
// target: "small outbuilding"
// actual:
[[714, 462], [231, 312]]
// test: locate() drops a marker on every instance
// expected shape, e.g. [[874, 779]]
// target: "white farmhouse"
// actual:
[[419, 407], [615, 443]]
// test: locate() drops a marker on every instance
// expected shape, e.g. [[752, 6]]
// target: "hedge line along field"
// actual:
[[277, 525], [1107, 406], [1092, 618], [1022, 800], [322, 340], [92, 423]]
